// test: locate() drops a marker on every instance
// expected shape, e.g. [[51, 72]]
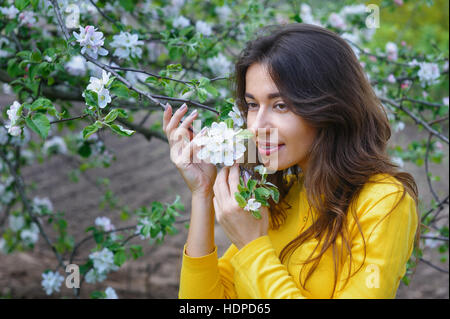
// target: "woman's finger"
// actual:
[[221, 184], [166, 116], [189, 119], [233, 179], [175, 120]]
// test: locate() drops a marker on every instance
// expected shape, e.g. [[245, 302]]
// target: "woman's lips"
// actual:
[[269, 149]]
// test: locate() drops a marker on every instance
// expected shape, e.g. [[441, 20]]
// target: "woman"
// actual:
[[347, 219]]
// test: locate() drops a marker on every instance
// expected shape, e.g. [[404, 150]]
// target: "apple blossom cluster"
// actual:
[[54, 145], [219, 65], [14, 113], [105, 224], [103, 261], [51, 281], [42, 206], [110, 293], [91, 41], [221, 144], [428, 73], [126, 45], [100, 86]]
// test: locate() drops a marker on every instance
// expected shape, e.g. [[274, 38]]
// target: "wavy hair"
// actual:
[[320, 79]]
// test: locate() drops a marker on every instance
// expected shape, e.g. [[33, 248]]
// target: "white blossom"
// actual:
[[203, 28], [398, 161], [236, 115], [27, 18], [103, 260], [127, 45], [307, 16], [252, 205], [98, 85], [399, 127], [428, 73], [337, 21], [76, 66], [30, 235], [181, 22], [14, 113], [11, 12], [445, 101], [16, 222], [103, 98], [353, 10], [391, 78], [219, 65], [261, 169], [223, 12], [110, 293], [142, 222], [51, 281], [220, 144], [91, 41], [93, 276], [54, 144], [104, 223], [432, 243], [392, 51], [40, 204]]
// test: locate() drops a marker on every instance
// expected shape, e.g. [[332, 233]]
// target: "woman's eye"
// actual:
[[250, 105], [281, 106]]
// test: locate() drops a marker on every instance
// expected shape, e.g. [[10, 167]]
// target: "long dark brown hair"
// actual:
[[321, 80]]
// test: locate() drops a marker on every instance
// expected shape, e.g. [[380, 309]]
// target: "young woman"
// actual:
[[347, 219]]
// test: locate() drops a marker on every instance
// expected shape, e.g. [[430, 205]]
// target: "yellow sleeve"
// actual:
[[263, 275], [389, 245], [207, 277]]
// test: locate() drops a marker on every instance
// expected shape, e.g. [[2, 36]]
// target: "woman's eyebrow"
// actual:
[[270, 96]]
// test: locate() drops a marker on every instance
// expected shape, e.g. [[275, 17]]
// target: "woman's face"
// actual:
[[282, 137]]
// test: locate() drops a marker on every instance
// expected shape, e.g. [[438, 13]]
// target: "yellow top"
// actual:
[[255, 271]]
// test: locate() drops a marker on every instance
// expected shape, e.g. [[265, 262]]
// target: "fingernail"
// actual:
[[183, 107], [193, 112]]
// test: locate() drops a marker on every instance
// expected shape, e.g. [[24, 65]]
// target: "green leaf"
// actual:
[[120, 258], [229, 122], [10, 27], [91, 98], [251, 183], [25, 55], [21, 4], [262, 192], [127, 5], [240, 199], [41, 104], [275, 194], [39, 123], [98, 236], [89, 130], [256, 214], [113, 114], [120, 90], [36, 56], [118, 129]]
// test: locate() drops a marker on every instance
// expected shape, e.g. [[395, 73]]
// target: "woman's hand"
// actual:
[[239, 225], [198, 175]]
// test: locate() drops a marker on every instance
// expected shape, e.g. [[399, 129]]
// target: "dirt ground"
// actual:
[[141, 174]]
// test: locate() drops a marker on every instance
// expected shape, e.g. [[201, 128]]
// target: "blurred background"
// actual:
[[142, 172]]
